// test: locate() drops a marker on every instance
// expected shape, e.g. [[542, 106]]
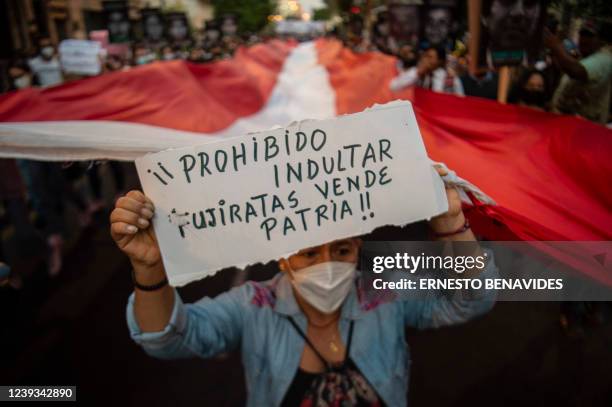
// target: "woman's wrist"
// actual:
[[149, 286], [148, 274], [447, 224]]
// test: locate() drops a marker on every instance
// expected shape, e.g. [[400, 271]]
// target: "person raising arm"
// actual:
[[310, 333]]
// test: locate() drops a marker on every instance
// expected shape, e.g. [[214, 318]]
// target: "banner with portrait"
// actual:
[[438, 23], [511, 31], [117, 21], [404, 21], [229, 25], [177, 26], [152, 22]]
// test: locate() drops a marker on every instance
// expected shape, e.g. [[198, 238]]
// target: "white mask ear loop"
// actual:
[[289, 270]]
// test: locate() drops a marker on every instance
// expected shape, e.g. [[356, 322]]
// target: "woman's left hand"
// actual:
[[453, 219]]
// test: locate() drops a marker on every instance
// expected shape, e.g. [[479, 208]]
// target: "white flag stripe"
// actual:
[[302, 91]]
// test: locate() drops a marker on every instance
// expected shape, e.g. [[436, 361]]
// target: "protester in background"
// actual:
[[430, 73], [142, 55], [114, 63], [51, 188], [309, 336], [13, 200], [20, 76], [46, 66], [482, 84], [354, 38], [95, 182], [585, 86], [531, 90], [382, 40], [46, 189], [198, 55], [407, 57], [167, 53]]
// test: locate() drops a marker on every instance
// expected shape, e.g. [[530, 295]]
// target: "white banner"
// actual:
[[265, 195], [80, 57]]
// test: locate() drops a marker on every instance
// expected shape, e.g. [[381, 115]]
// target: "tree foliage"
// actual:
[[321, 14], [252, 14]]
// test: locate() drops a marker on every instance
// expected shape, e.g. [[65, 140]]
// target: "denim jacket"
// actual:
[[254, 317]]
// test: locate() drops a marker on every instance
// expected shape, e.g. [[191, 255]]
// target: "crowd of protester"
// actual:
[[34, 195], [570, 78]]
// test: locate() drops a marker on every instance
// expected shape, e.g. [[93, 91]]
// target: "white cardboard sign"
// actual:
[[265, 195], [80, 57]]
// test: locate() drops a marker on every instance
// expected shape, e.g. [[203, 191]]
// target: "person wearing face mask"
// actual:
[[309, 336], [531, 90], [142, 55], [46, 65], [431, 73], [167, 53], [20, 76]]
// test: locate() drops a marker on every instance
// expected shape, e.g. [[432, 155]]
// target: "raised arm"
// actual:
[[132, 231], [459, 306], [157, 318], [568, 64]]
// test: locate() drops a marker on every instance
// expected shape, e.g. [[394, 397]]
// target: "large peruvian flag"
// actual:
[[549, 174]]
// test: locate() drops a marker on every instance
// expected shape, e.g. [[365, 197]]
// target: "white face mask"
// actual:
[[145, 59], [325, 285], [22, 82], [47, 52]]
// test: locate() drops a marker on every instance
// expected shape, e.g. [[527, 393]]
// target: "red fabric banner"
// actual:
[[549, 174], [175, 94]]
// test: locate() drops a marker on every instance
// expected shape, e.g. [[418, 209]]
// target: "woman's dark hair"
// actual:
[[440, 51], [526, 75], [518, 93], [19, 63]]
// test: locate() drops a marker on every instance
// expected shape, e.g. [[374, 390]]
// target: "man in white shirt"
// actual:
[[429, 73], [46, 66]]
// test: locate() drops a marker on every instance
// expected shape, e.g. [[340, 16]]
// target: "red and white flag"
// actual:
[[549, 174]]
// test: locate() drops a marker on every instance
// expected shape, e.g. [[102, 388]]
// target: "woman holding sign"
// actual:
[[308, 337]]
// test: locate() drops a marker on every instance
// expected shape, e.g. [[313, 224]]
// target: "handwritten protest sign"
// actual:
[[80, 57], [262, 196]]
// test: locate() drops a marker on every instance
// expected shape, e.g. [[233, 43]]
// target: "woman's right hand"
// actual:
[[132, 230]]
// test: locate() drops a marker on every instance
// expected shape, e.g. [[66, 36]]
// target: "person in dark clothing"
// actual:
[[483, 84]]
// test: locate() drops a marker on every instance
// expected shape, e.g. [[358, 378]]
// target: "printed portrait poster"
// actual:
[[404, 21], [177, 26], [438, 22], [117, 21], [229, 25], [263, 196], [511, 31], [212, 31], [152, 22]]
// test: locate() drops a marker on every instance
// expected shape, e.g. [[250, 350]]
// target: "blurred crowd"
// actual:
[[37, 198], [44, 67], [571, 75]]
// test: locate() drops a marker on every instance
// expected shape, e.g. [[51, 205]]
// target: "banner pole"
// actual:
[[503, 84], [474, 7]]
